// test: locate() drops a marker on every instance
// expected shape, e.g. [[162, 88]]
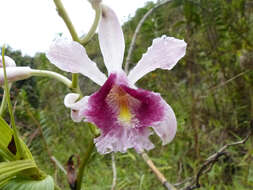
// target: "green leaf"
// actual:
[[26, 184], [3, 182], [5, 131], [28, 154], [5, 138], [9, 169], [4, 155]]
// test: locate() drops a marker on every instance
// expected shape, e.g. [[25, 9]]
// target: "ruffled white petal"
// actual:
[[121, 139], [166, 129], [71, 56], [111, 40], [164, 53], [9, 62], [70, 101]]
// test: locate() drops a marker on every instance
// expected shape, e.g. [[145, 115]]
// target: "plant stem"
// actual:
[[20, 152], [63, 14], [75, 84], [84, 40], [3, 104], [51, 74], [114, 171], [159, 175], [84, 162]]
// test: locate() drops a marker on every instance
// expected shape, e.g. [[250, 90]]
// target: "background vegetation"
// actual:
[[210, 90]]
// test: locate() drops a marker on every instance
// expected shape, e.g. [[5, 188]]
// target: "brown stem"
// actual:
[[114, 171], [158, 174]]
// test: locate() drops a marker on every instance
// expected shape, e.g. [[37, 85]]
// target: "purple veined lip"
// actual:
[[141, 109], [142, 105]]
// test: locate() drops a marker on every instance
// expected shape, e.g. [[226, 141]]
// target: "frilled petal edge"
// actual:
[[121, 139]]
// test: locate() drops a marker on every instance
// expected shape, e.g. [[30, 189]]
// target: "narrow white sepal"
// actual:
[[111, 40]]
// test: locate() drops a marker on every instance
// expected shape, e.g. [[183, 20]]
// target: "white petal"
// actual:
[[76, 117], [9, 62], [164, 53], [71, 56], [15, 74], [167, 128], [111, 40], [70, 101]]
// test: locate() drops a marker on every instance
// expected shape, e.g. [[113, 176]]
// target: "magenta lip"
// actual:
[[149, 110]]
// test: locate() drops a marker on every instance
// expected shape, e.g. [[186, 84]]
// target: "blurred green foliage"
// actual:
[[210, 90]]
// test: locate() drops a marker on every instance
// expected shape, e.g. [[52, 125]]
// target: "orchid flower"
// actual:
[[121, 111]]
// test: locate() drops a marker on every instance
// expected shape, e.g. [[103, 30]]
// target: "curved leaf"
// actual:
[[6, 134], [9, 169], [26, 184], [5, 137]]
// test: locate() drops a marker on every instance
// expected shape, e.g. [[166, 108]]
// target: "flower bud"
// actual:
[[9, 62], [15, 74]]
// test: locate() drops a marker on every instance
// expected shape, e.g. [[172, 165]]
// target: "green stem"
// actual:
[[51, 74], [63, 14], [84, 40], [94, 130], [75, 84], [20, 151], [84, 162], [3, 104]]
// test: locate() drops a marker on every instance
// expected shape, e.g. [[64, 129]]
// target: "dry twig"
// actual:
[[114, 171], [159, 175], [207, 166], [227, 81], [131, 47]]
